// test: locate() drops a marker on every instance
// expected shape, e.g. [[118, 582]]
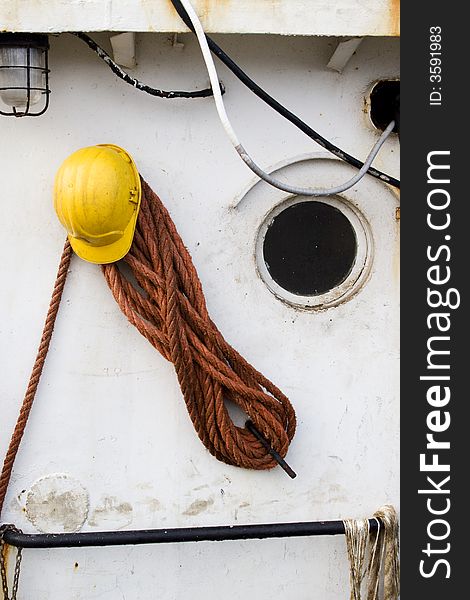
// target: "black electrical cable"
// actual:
[[278, 107], [116, 69]]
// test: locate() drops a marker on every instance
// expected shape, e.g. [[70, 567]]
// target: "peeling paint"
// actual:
[[152, 504], [57, 504], [111, 513], [284, 17], [198, 506]]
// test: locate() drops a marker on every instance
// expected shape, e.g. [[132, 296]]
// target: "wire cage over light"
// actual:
[[24, 74]]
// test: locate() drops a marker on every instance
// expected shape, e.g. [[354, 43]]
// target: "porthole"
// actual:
[[314, 253], [309, 248], [383, 101]]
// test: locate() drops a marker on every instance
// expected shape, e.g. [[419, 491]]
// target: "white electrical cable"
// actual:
[[219, 103]]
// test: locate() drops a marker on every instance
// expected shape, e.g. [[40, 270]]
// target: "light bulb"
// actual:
[[15, 77]]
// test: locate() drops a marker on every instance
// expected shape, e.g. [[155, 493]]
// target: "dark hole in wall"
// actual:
[[384, 101], [310, 248]]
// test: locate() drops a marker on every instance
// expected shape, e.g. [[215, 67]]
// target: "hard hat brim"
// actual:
[[104, 255]]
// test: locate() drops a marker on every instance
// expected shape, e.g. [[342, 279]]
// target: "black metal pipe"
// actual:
[[185, 534]]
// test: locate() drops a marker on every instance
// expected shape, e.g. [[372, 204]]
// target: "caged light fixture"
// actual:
[[24, 74]]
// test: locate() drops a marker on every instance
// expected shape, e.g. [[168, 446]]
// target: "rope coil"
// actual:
[[169, 309]]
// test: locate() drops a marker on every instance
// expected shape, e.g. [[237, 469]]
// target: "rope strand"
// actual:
[[383, 549], [36, 372]]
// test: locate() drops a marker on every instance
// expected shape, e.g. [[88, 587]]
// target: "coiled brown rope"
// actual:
[[169, 309], [36, 372]]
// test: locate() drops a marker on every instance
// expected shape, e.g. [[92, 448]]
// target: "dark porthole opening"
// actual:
[[310, 248], [384, 104]]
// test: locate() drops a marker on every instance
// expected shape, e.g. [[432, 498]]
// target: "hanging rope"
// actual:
[[36, 372], [169, 309], [357, 534], [383, 549], [389, 543]]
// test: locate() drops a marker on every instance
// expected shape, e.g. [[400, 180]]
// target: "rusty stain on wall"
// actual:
[[6, 556], [394, 12], [203, 8], [396, 249], [285, 17]]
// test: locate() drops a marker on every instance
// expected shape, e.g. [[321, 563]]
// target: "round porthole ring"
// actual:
[[360, 270]]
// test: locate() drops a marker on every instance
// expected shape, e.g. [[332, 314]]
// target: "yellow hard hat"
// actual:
[[97, 198]]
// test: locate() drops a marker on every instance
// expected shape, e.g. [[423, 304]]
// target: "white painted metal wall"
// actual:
[[286, 17], [109, 412]]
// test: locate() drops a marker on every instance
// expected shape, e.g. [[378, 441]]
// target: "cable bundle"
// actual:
[[187, 13], [168, 308]]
